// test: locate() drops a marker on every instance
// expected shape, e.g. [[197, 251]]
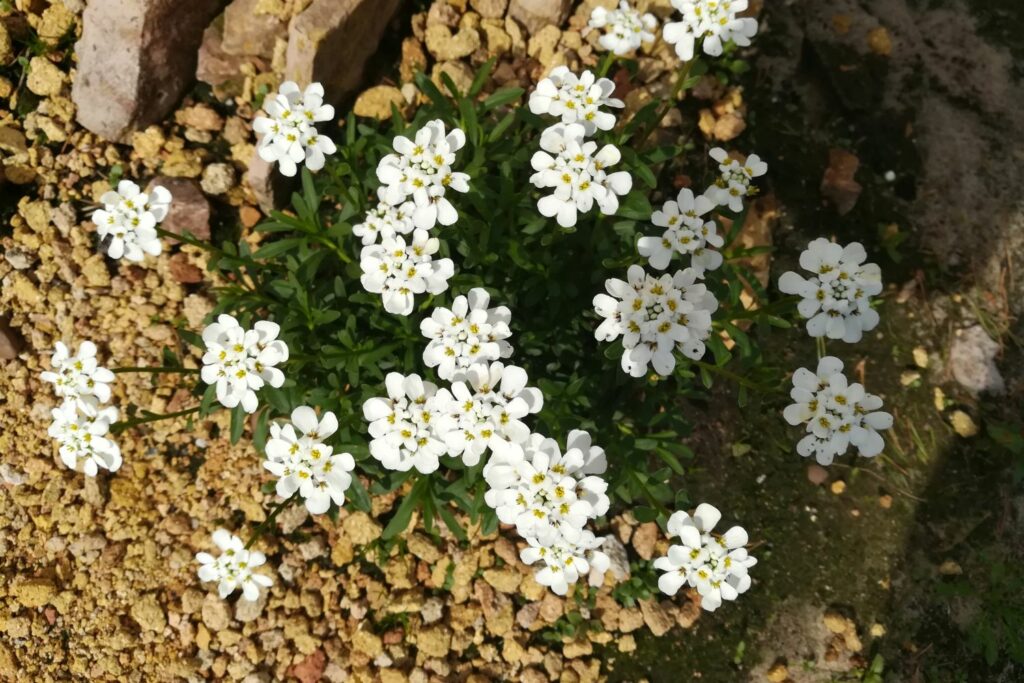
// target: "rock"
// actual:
[[816, 474], [330, 33], [218, 178], [778, 673], [879, 41], [644, 538], [213, 65], [432, 610], [200, 117], [657, 616], [423, 548], [183, 271], [460, 74], [838, 184], [310, 669], [269, 187], [536, 14], [497, 40], [414, 59], [249, 610], [490, 9], [136, 58], [619, 560], [215, 613], [6, 52], [506, 580], [442, 13], [12, 141], [248, 31], [376, 102], [360, 529], [190, 211], [147, 613], [963, 424], [435, 641], [972, 361], [44, 78], [367, 643], [34, 593], [10, 341], [445, 46]]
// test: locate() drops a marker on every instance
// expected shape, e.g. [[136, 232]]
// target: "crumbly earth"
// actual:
[[98, 578]]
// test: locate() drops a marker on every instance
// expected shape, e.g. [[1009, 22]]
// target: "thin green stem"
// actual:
[[266, 523], [157, 369], [606, 63], [345, 258], [822, 352], [743, 381], [121, 426]]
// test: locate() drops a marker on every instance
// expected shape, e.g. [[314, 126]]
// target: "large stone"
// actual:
[[268, 186], [332, 40], [190, 211], [215, 66], [136, 58], [536, 14], [972, 360], [248, 31]]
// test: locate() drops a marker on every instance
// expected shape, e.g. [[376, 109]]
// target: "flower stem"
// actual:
[[606, 63], [266, 523], [743, 381], [121, 426], [821, 347], [157, 369], [682, 76], [345, 258]]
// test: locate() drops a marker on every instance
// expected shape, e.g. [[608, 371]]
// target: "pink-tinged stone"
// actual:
[[136, 58], [189, 211], [215, 66]]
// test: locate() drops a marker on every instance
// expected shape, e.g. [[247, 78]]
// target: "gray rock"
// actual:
[[249, 610], [536, 14], [972, 361], [136, 58]]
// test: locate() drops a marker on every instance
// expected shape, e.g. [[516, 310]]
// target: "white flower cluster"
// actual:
[[240, 362], [734, 183], [129, 218], [233, 568], [289, 134], [836, 414], [687, 233], [575, 170], [569, 164], [625, 29], [82, 421], [550, 497], [299, 458], [655, 317], [713, 22], [414, 182], [467, 333], [836, 299], [716, 566]]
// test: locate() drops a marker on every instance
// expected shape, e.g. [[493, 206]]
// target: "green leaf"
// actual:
[[400, 520], [501, 97], [238, 419]]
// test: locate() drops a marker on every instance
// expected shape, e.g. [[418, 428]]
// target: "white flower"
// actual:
[[129, 218], [734, 182], [239, 362], [713, 21], [304, 463], [836, 299], [468, 333], [233, 568], [626, 29], [289, 134], [576, 99], [716, 566], [422, 171], [836, 414], [385, 221], [398, 270], [654, 317], [566, 561], [82, 438], [686, 233], [408, 426], [488, 407], [79, 378], [570, 167]]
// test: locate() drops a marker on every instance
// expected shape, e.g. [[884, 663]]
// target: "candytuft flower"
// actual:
[[570, 166], [79, 378], [398, 270], [129, 218], [385, 221], [239, 362], [713, 22], [836, 414], [298, 456], [715, 565], [421, 171], [289, 134], [408, 426], [626, 29], [84, 445], [233, 568], [836, 299], [576, 99], [734, 183], [468, 333], [655, 317], [686, 233]]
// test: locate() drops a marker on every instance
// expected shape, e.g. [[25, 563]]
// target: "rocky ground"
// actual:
[[98, 580]]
